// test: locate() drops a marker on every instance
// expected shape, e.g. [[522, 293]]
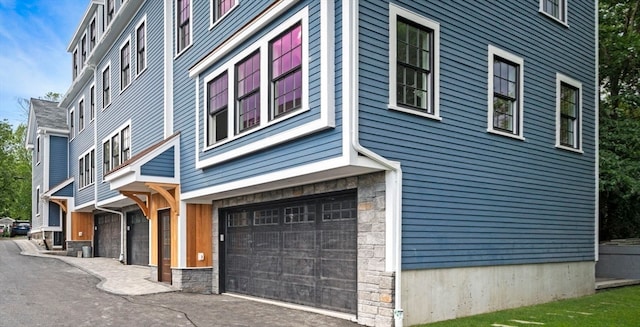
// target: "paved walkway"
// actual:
[[115, 277]]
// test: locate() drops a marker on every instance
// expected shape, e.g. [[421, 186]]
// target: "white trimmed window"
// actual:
[[260, 86], [125, 65], [72, 123], [556, 9], [92, 34], [86, 169], [92, 102], [568, 113], [106, 86], [116, 148], [38, 200], [38, 150], [110, 10], [141, 46], [220, 8], [83, 50], [505, 93], [183, 25], [414, 63], [80, 115], [75, 63]]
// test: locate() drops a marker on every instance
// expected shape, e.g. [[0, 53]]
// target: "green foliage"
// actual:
[[15, 179], [618, 307], [619, 119]]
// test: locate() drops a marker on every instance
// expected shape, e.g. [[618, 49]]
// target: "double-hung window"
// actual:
[[38, 152], [81, 115], [106, 157], [72, 122], [86, 169], [81, 181], [217, 108], [183, 24], [141, 47], [125, 66], [286, 72], [125, 144], [110, 8], [106, 87], [568, 113], [248, 93], [414, 64], [92, 102], [83, 50], [505, 92], [115, 151], [221, 8], [92, 34], [556, 9], [75, 63]]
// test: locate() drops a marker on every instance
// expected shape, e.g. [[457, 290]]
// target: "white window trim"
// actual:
[[124, 43], [106, 105], [38, 200], [212, 11], [261, 45], [90, 172], [146, 48], [38, 149], [89, 47], [84, 114], [492, 52], [560, 78], [75, 55], [108, 138], [565, 12], [95, 102], [85, 35], [71, 119], [394, 12], [177, 34]]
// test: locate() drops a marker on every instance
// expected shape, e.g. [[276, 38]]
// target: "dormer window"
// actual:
[[83, 50], [92, 34], [75, 63], [110, 11]]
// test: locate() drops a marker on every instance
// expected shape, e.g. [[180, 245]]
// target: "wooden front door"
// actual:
[[164, 245]]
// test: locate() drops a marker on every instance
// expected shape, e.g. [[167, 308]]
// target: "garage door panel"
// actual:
[[303, 252], [107, 236]]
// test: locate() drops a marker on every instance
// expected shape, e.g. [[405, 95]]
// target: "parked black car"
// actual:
[[20, 229]]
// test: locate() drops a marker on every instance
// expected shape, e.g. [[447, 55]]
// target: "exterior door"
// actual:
[[301, 251], [107, 236], [137, 238], [164, 246]]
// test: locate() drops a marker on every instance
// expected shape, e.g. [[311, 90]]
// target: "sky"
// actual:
[[34, 35]]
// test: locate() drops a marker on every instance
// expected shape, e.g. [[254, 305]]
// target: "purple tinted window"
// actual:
[[218, 94], [286, 71], [223, 6], [183, 24], [248, 90]]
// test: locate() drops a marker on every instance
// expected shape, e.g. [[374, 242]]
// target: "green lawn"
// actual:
[[610, 308]]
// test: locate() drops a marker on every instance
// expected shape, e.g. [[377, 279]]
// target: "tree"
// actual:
[[619, 118], [15, 180]]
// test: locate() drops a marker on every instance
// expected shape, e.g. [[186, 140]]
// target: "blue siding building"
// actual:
[[389, 162]]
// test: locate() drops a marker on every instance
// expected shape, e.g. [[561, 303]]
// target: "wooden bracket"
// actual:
[[173, 200], [143, 205], [61, 203]]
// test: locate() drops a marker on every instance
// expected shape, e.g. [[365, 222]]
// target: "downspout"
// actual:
[[393, 176], [95, 187]]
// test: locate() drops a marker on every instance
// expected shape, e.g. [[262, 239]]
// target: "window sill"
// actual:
[[415, 112], [85, 187], [125, 88], [555, 19], [570, 149], [141, 72], [106, 107], [217, 21], [501, 133], [183, 51]]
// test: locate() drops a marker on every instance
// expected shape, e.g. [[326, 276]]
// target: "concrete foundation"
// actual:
[[442, 294]]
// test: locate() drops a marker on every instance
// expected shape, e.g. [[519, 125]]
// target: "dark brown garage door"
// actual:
[[137, 238], [301, 251], [107, 236]]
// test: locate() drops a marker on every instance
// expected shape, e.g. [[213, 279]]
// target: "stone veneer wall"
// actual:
[[197, 280], [73, 247], [375, 285]]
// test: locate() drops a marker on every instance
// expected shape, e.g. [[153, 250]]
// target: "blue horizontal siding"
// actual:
[[161, 166], [473, 198], [58, 160], [54, 214], [66, 191]]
